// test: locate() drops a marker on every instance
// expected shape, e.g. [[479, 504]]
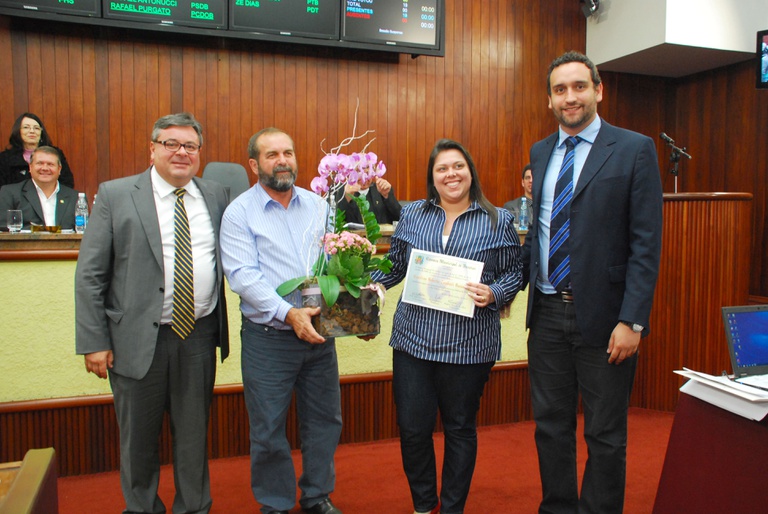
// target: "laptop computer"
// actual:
[[746, 328]]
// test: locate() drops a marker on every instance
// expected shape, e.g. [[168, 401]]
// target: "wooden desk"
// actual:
[[39, 246], [716, 462]]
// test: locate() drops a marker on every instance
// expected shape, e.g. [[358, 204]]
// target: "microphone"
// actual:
[[666, 138]]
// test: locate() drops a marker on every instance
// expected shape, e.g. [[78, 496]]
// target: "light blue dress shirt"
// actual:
[[264, 244], [588, 136]]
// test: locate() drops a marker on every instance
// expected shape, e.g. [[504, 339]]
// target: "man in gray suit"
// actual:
[[131, 298], [42, 199]]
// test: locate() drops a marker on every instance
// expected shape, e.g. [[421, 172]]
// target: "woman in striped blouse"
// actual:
[[442, 360]]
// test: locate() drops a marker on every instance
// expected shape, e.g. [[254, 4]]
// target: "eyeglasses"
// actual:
[[173, 146], [34, 128]]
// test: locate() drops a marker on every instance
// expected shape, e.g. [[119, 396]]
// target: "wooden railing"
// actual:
[[85, 434]]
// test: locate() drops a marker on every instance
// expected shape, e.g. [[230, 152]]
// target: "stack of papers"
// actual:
[[721, 391]]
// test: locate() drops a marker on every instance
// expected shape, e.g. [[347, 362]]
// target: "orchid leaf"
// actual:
[[329, 286], [290, 286]]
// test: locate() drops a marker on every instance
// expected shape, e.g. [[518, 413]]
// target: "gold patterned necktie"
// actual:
[[183, 319]]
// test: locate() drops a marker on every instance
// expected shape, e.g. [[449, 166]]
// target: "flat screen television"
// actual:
[[762, 59], [310, 18], [74, 7], [209, 14], [395, 25]]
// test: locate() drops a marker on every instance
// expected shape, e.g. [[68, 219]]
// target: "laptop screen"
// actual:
[[747, 330]]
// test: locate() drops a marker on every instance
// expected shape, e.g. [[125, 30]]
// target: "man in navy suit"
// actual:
[[42, 199], [588, 311]]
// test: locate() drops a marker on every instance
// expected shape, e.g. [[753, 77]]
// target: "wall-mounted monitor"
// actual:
[[209, 14], [762, 59], [413, 27], [297, 18], [74, 7], [397, 24]]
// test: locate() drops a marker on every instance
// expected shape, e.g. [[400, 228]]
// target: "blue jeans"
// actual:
[[560, 366], [276, 363], [420, 388]]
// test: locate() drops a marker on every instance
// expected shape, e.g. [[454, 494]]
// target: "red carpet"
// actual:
[[370, 479]]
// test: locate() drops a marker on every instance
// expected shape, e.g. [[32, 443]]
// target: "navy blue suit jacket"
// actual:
[[615, 234]]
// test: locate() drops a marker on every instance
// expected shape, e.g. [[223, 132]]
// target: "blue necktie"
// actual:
[[560, 225], [183, 317]]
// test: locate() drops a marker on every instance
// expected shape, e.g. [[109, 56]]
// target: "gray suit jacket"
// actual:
[[615, 236], [119, 279], [23, 196]]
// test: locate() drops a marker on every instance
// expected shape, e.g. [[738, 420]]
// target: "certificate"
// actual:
[[437, 281]]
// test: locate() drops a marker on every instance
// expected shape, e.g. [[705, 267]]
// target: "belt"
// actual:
[[565, 296]]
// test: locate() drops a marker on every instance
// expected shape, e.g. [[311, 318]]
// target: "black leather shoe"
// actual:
[[278, 512], [324, 507]]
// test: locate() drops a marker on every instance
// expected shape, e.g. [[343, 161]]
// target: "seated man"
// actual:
[[42, 200], [514, 205], [383, 203]]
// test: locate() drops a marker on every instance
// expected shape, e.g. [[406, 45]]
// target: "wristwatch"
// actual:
[[634, 326]]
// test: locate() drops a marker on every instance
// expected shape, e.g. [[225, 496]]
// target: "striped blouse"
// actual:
[[439, 336]]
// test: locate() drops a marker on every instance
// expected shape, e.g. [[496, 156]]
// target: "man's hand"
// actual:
[[623, 344], [301, 322], [383, 186], [351, 189], [98, 362]]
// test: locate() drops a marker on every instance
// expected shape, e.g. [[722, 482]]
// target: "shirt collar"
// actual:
[[263, 198], [472, 205], [41, 192], [164, 189], [589, 134]]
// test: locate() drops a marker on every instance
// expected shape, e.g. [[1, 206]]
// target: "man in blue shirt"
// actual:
[[269, 235]]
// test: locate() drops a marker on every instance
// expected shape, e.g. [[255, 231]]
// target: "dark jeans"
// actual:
[[420, 388], [560, 366], [276, 365]]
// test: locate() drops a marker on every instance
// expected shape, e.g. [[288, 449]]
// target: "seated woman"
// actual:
[[27, 133]]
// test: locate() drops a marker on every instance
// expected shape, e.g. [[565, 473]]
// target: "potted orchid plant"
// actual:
[[343, 269]]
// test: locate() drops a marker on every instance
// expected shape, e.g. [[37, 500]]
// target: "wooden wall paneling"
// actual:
[[705, 250], [7, 111]]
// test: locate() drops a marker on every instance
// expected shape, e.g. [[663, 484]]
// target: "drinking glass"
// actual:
[[15, 220]]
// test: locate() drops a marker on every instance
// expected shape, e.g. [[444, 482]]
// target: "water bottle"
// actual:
[[523, 214], [81, 213]]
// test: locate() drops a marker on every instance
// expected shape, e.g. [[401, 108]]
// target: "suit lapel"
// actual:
[[63, 200], [30, 194], [211, 203], [144, 201], [601, 150], [544, 157]]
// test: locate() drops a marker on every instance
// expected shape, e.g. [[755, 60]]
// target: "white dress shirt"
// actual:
[[203, 244]]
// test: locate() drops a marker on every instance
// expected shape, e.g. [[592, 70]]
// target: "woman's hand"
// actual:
[[481, 294]]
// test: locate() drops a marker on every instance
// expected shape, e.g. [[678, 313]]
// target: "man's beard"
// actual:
[[281, 184]]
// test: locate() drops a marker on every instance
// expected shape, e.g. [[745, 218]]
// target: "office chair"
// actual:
[[230, 175]]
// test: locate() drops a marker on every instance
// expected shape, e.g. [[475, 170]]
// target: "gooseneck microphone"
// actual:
[[666, 138]]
